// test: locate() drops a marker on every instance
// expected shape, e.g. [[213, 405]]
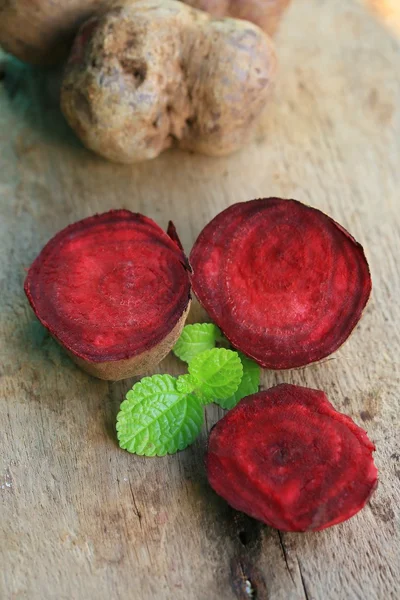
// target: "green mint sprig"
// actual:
[[205, 336], [217, 373], [249, 384], [163, 414], [156, 418], [195, 339]]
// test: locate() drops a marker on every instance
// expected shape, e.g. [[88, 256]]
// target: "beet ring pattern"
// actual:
[[110, 287], [284, 282], [289, 459]]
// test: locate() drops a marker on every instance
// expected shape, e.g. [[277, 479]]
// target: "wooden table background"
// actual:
[[81, 519]]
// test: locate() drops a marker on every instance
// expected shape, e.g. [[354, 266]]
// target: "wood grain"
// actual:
[[81, 519]]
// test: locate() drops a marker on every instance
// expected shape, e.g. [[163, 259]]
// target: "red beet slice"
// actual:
[[114, 290], [289, 459], [284, 282]]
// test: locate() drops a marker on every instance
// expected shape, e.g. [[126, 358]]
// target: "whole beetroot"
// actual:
[[266, 14], [41, 31], [150, 74]]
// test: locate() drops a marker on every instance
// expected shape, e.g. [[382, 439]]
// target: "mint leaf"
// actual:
[[217, 373], [157, 419], [196, 339], [249, 384], [186, 384]]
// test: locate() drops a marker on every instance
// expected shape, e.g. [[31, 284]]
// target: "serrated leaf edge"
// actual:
[[190, 426]]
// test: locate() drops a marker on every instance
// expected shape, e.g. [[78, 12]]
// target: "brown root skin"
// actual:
[[40, 32], [267, 14], [136, 365], [150, 74]]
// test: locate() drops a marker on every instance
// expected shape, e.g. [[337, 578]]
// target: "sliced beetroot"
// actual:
[[284, 282], [289, 459], [114, 290]]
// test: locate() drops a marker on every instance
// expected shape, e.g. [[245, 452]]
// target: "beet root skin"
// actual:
[[288, 458], [267, 14], [41, 31], [139, 364], [286, 283], [114, 291], [148, 75]]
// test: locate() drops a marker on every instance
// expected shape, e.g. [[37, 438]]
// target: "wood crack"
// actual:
[[249, 589], [137, 511], [139, 516], [246, 577], [247, 580], [303, 583], [285, 554]]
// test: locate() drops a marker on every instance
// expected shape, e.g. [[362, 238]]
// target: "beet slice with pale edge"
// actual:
[[288, 458], [284, 282], [114, 290]]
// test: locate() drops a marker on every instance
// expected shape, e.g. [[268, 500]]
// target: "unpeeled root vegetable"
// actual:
[[150, 74], [266, 14], [285, 283], [41, 31], [289, 459], [114, 290]]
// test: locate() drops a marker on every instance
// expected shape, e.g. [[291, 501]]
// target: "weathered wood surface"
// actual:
[[81, 519]]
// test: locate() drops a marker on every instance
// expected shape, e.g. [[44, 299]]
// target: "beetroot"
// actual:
[[289, 459], [114, 290], [284, 282]]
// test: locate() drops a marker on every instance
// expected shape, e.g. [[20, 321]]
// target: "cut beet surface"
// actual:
[[289, 459], [284, 282], [114, 290]]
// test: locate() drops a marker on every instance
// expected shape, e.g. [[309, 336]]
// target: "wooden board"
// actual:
[[81, 519]]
